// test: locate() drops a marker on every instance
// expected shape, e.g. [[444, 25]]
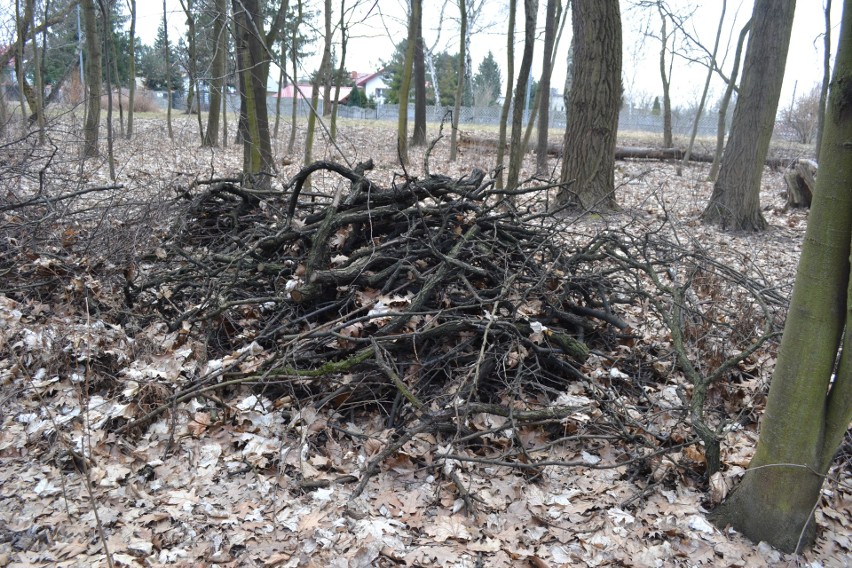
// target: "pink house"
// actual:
[[372, 83]]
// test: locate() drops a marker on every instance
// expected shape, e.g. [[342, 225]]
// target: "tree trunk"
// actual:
[[544, 87], [460, 81], [665, 77], [810, 398], [93, 80], [107, 35], [735, 203], [39, 84], [131, 54], [589, 144], [254, 67], [168, 72], [800, 179], [721, 125], [217, 85], [418, 138], [341, 69], [516, 150], [404, 89], [700, 110], [294, 61], [312, 116], [507, 98], [826, 76]]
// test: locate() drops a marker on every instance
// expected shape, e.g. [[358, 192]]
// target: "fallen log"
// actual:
[[621, 152]]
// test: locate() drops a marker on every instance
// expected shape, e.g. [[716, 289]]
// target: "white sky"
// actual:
[[372, 40]]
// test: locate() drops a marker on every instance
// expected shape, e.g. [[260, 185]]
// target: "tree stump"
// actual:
[[800, 178]]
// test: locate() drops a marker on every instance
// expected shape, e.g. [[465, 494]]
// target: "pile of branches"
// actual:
[[411, 298]]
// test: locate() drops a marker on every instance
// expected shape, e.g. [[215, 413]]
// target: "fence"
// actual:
[[629, 119]]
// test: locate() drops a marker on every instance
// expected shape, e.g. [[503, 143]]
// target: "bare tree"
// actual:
[[323, 70], [516, 151], [721, 126], [460, 78], [735, 203], [405, 87], [418, 138], [507, 98], [167, 57], [218, 70], [550, 21], [39, 83], [588, 161], [93, 80], [131, 60], [826, 76]]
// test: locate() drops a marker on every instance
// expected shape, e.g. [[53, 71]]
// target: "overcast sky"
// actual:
[[382, 22]]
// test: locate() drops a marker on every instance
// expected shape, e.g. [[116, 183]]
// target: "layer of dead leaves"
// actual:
[[235, 478]]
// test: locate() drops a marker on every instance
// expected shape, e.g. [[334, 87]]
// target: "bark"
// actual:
[[735, 203], [810, 398], [217, 85], [826, 76], [39, 84], [800, 179], [419, 136], [700, 109], [461, 80], [107, 34], [131, 54], [404, 89], [516, 152], [507, 98], [294, 61], [544, 87], [192, 66], [665, 77], [168, 72], [93, 80], [312, 116], [587, 176], [254, 68], [721, 125], [344, 37]]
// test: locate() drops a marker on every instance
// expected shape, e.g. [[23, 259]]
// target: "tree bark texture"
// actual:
[[404, 90], [507, 98], [217, 86], [826, 75], [665, 77], [589, 143], [454, 138], [721, 125], [516, 152], [419, 136], [131, 57], [93, 80], [810, 398], [735, 203], [544, 87]]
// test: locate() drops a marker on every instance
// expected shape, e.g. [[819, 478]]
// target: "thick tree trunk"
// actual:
[[810, 398], [588, 162], [93, 80], [735, 203]]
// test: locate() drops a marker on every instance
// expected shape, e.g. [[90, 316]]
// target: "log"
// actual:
[[621, 152], [800, 178]]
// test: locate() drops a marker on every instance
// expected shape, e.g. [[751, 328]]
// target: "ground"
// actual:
[[238, 478]]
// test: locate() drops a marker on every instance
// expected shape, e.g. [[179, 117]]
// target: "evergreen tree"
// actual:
[[487, 82], [152, 64]]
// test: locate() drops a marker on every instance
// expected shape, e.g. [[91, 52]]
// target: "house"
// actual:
[[305, 90], [373, 84]]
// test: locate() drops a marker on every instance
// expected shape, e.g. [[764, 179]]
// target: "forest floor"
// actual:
[[239, 478]]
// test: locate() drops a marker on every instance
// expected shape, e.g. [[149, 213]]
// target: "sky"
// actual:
[[378, 24]]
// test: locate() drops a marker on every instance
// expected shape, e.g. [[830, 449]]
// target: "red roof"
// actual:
[[305, 92]]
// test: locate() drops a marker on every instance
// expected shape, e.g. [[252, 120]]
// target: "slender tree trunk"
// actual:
[[454, 139], [131, 54], [218, 70], [419, 136], [516, 151], [507, 97], [114, 60], [39, 83], [588, 162], [20, 22], [404, 90], [721, 126], [168, 71], [341, 69], [700, 109], [107, 33], [280, 88], [294, 59], [826, 76], [93, 80], [544, 87], [665, 77], [327, 75], [809, 407], [323, 71], [735, 203]]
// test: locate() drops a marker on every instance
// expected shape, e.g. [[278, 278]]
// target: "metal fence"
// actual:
[[629, 119]]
